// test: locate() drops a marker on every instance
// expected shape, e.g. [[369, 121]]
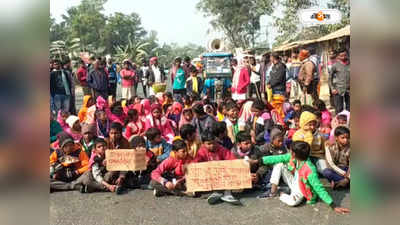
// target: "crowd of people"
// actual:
[[270, 115]]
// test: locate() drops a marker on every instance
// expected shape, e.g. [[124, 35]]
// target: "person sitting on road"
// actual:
[[301, 176], [211, 151], [168, 178], [157, 144], [67, 164]]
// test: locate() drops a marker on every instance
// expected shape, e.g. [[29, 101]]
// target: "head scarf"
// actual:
[[152, 59], [183, 120], [146, 106], [245, 111], [156, 106], [306, 117], [71, 120], [176, 108], [100, 102], [83, 110]]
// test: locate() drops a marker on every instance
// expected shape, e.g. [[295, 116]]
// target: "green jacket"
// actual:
[[310, 185], [55, 128]]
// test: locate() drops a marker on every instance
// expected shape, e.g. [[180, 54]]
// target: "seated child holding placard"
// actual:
[[244, 149], [301, 176], [212, 151], [98, 178], [141, 178], [168, 178]]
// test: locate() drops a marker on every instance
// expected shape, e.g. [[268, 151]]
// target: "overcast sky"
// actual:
[[174, 20]]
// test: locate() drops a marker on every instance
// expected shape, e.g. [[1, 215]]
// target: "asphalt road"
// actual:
[[141, 207]]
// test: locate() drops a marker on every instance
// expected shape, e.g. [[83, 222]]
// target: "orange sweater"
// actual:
[[83, 164]]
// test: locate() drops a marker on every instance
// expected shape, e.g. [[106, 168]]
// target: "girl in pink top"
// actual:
[[157, 120]]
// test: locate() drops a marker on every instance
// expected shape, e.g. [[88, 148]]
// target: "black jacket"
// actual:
[[56, 83], [277, 78]]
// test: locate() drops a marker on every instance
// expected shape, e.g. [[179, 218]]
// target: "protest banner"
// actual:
[[218, 175], [126, 159]]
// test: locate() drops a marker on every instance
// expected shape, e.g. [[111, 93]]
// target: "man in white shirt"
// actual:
[[255, 79]]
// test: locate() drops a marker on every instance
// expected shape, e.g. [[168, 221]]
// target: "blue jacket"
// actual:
[[161, 150]]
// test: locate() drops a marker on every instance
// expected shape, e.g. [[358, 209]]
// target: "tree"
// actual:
[[86, 22], [57, 31], [133, 50], [117, 29], [289, 25], [238, 19]]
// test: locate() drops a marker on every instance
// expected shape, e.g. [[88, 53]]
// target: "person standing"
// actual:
[[155, 73], [112, 78], [128, 76], [67, 67], [277, 79], [306, 74], [98, 79], [263, 72], [240, 80], [187, 67], [178, 86], [255, 78], [60, 87], [143, 76], [82, 74], [339, 82]]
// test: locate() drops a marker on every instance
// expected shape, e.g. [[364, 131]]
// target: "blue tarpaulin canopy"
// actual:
[[217, 54]]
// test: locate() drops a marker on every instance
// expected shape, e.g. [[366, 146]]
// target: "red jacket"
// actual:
[[244, 81], [81, 73], [172, 165], [220, 153]]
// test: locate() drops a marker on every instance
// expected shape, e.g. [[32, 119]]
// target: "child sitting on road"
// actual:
[[189, 135], [141, 179], [231, 120], [211, 151], [338, 158], [98, 178], [244, 149], [87, 141], [102, 124], [157, 144], [168, 178], [301, 176], [219, 130], [271, 176], [186, 118], [74, 129], [67, 164], [134, 125], [309, 133]]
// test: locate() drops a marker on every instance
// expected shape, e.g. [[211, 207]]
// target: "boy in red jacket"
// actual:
[[212, 151], [169, 177]]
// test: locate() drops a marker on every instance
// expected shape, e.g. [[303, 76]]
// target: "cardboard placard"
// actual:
[[126, 159], [218, 175]]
